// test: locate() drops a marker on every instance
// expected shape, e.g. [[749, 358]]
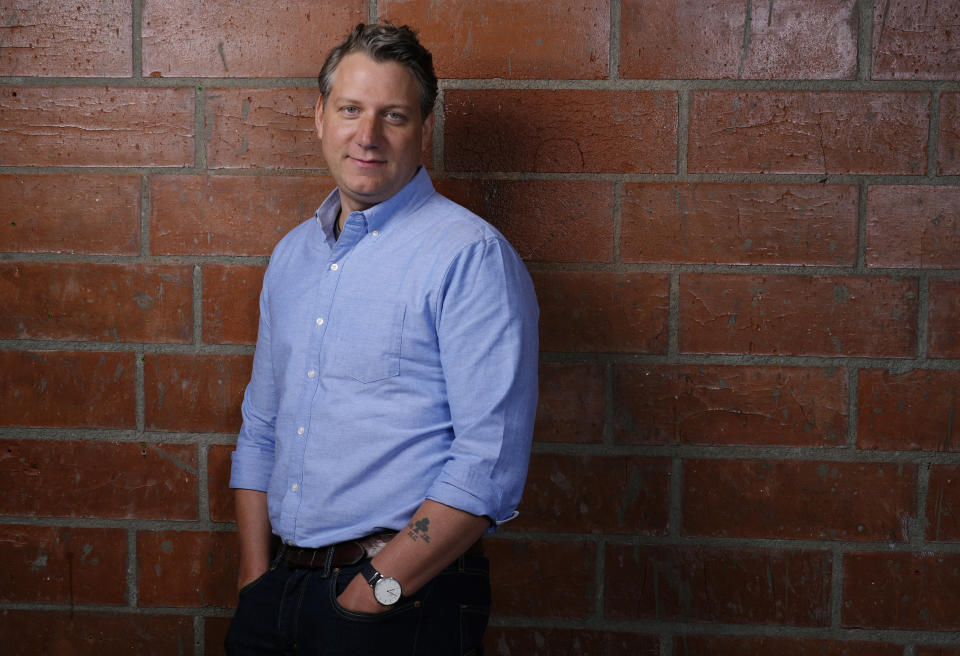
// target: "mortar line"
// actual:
[[923, 319], [853, 413], [199, 635], [933, 135], [197, 305], [836, 589], [683, 131], [918, 527], [139, 382], [373, 11], [144, 218], [137, 40], [865, 41], [200, 128], [861, 265], [609, 405], [675, 519], [615, 27], [132, 594], [618, 194], [203, 471], [439, 121], [673, 318], [666, 645]]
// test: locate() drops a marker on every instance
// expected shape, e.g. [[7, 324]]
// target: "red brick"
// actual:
[[218, 483], [938, 650], [231, 303], [64, 213], [32, 632], [944, 325], [182, 38], [67, 39], [729, 313], [797, 39], [808, 132], [739, 224], [195, 393], [563, 131], [761, 499], [228, 215], [571, 403], [948, 162], [913, 226], [509, 641], [215, 632], [914, 41], [262, 128], [625, 494], [46, 564], [187, 568], [913, 410], [493, 39], [704, 584], [96, 302], [729, 405], [61, 388], [545, 220], [117, 480], [901, 591], [943, 503], [96, 126], [698, 645], [520, 572], [600, 311]]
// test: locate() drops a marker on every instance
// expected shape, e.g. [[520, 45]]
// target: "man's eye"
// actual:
[[350, 110], [395, 116]]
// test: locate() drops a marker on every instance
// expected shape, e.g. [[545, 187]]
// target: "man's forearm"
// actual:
[[433, 539], [253, 529]]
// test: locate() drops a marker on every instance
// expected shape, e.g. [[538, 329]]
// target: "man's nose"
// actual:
[[368, 132]]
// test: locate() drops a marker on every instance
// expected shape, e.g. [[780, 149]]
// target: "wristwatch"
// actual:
[[386, 589]]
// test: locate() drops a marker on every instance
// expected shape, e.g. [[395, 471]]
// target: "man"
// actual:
[[388, 419]]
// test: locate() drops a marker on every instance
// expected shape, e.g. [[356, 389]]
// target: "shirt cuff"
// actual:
[[247, 472]]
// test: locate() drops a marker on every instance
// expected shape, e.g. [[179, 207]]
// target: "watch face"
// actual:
[[387, 591]]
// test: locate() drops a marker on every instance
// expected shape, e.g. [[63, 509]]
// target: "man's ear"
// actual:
[[318, 117]]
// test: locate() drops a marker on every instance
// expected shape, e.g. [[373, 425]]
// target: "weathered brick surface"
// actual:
[[789, 406], [219, 38], [730, 313], [229, 215], [627, 495], [63, 388], [63, 213], [598, 311], [701, 645], [944, 325], [231, 303], [522, 570], [262, 128], [570, 404], [187, 568], [703, 584], [913, 226], [795, 39], [943, 504], [798, 500], [492, 39], [195, 393], [66, 39], [948, 162], [545, 220], [46, 564], [119, 480], [901, 591], [504, 641], [808, 132], [913, 410], [218, 483], [96, 126], [32, 632], [96, 302], [215, 632], [916, 41], [739, 224], [561, 131]]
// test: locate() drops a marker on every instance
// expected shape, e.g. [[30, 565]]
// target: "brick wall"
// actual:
[[743, 221]]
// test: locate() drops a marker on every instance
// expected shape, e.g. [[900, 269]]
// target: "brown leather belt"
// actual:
[[347, 553]]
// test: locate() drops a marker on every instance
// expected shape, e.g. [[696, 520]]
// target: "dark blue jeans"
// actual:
[[295, 611]]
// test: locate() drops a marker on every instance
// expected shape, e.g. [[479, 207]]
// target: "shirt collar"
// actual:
[[408, 199]]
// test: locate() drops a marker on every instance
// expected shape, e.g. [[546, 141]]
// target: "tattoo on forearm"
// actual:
[[419, 530]]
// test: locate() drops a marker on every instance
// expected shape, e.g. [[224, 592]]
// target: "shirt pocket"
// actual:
[[367, 336]]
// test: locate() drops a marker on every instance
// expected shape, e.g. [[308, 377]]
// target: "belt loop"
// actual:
[[328, 561]]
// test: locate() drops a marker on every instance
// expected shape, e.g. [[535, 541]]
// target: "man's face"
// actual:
[[371, 130]]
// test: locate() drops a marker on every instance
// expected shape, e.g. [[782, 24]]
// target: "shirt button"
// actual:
[[301, 430], [376, 233], [319, 321], [294, 487], [311, 373], [334, 266]]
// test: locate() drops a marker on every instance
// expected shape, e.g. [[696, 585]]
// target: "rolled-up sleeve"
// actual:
[[487, 328]]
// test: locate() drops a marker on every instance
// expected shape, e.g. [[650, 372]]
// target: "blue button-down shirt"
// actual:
[[395, 364]]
